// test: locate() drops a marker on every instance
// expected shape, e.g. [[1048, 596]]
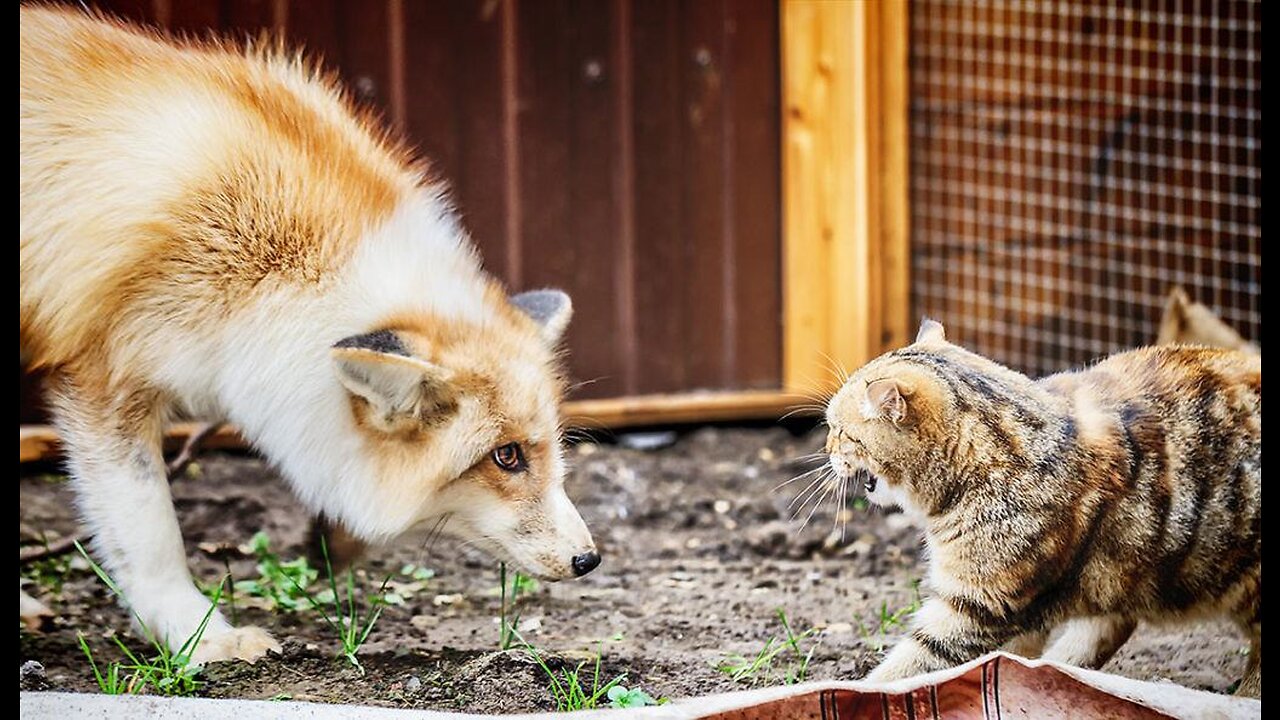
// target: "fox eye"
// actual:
[[509, 457]]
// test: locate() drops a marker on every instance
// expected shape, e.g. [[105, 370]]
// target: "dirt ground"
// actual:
[[699, 552]]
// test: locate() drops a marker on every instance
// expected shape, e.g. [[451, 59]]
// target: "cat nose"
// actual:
[[585, 563]]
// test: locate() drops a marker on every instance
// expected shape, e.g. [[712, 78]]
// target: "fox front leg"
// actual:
[[113, 447]]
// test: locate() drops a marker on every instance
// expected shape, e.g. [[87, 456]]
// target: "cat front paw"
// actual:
[[242, 643]]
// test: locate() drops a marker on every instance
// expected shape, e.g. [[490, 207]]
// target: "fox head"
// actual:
[[459, 423]]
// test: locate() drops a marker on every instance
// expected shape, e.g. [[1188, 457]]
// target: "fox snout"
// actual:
[[567, 550], [543, 536]]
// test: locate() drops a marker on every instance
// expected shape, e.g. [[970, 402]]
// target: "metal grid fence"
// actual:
[[1074, 161]]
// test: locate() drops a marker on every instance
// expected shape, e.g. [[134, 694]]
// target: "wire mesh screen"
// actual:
[[1072, 162]]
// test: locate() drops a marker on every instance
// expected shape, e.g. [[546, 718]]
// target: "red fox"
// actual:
[[215, 232]]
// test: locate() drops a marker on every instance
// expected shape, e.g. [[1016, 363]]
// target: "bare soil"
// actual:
[[699, 552]]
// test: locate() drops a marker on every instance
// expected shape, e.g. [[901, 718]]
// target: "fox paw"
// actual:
[[242, 643]]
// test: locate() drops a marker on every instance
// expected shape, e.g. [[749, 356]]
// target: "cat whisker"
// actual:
[[785, 483], [814, 509], [809, 491]]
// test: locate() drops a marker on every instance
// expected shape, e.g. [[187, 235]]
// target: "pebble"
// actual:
[[31, 673], [840, 628], [424, 622], [412, 684], [648, 440]]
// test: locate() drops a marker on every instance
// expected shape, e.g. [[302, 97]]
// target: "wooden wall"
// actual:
[[625, 150]]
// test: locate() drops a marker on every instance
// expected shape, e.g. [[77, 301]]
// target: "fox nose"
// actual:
[[585, 563]]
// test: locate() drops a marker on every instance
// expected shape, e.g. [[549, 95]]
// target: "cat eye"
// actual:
[[510, 457]]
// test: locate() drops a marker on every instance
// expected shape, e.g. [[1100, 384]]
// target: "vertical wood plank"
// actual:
[[626, 340], [314, 26], [753, 308], [477, 114], [567, 155], [893, 179], [823, 275], [836, 261], [661, 269], [140, 11], [364, 31], [703, 157], [246, 18], [198, 19]]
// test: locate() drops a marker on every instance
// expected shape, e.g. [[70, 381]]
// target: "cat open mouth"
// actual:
[[868, 480]]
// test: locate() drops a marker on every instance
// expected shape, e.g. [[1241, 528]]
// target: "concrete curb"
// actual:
[[1167, 698]]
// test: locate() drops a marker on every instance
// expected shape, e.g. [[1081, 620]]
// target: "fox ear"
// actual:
[[551, 309], [887, 398], [378, 367], [931, 331]]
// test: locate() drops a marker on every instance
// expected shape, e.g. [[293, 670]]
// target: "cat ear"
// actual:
[[377, 367], [1174, 320], [887, 398], [551, 309], [931, 331]]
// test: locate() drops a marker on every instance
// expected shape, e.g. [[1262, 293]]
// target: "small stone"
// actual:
[[412, 684], [840, 628], [424, 622], [31, 673], [35, 614], [766, 454], [648, 440], [447, 599], [722, 506]]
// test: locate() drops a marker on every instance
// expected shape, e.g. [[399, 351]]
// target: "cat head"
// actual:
[[907, 420]]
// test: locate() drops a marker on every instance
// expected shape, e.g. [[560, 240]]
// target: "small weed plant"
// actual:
[[281, 584], [509, 616], [167, 672], [578, 688], [337, 606], [889, 620], [764, 665]]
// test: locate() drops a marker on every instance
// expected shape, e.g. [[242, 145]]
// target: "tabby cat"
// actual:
[[1127, 491]]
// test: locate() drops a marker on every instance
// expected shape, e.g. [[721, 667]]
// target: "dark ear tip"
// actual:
[[381, 341], [549, 307]]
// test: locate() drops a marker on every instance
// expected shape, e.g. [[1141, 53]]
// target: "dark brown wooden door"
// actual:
[[625, 150]]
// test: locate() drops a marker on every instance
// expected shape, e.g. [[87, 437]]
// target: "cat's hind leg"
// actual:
[[1251, 685], [1090, 641], [1028, 644]]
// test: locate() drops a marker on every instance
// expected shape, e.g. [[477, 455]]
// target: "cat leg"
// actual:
[[1028, 644], [113, 450], [944, 635], [1090, 641]]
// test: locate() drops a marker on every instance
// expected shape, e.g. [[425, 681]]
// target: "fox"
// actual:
[[215, 230]]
